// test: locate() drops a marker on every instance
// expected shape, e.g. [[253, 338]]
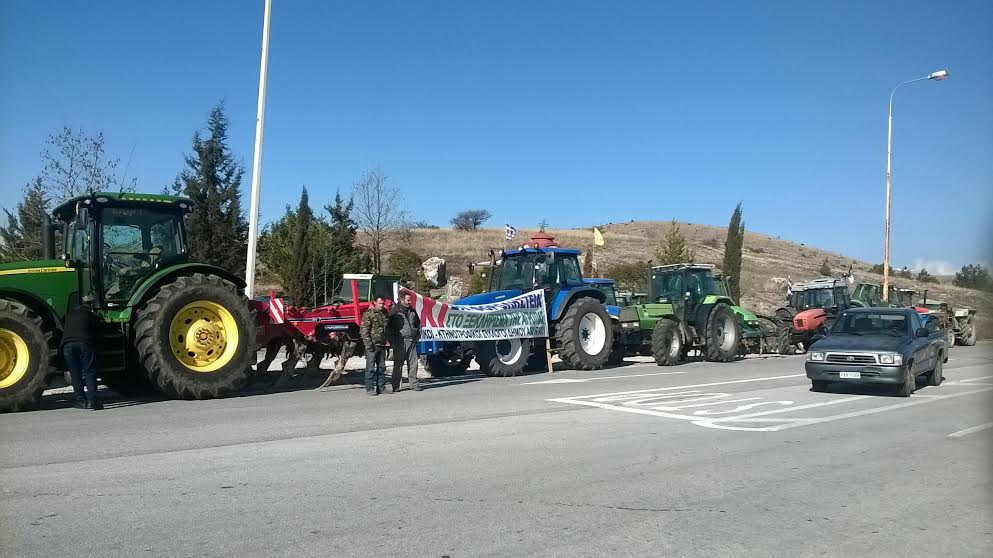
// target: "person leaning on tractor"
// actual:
[[405, 328], [373, 334], [77, 349]]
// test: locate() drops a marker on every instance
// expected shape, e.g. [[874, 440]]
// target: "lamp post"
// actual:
[[937, 76], [253, 215]]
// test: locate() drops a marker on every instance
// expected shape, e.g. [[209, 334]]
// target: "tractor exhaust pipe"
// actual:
[[47, 238], [651, 286]]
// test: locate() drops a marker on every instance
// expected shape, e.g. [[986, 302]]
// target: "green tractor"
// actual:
[[687, 309], [168, 325]]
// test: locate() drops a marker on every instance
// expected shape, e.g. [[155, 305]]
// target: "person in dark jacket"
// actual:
[[78, 336], [373, 334], [405, 328]]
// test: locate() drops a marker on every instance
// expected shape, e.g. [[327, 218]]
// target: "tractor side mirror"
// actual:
[[82, 218]]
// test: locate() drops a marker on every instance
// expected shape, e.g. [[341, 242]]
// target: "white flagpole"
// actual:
[[253, 216]]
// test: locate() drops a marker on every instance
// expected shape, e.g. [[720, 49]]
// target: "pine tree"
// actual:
[[732, 252], [300, 282], [674, 249], [825, 269], [217, 231], [343, 253], [20, 238]]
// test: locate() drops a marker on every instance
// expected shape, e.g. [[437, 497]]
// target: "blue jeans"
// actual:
[[79, 358], [375, 369]]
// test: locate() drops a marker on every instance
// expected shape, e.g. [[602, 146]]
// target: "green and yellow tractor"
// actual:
[[181, 328]]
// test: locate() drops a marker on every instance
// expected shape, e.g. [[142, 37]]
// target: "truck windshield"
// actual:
[[863, 323]]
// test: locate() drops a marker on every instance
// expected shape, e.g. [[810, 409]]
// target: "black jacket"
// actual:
[[80, 325], [404, 322]]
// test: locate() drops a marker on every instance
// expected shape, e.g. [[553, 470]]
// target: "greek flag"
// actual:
[[509, 233]]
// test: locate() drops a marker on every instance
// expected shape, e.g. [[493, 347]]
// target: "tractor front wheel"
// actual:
[[505, 357], [195, 337], [667, 343], [27, 355], [723, 335], [584, 335], [968, 337]]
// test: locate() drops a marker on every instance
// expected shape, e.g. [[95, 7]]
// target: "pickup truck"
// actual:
[[879, 346]]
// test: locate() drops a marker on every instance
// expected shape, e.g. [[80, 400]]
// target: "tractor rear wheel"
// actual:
[[968, 338], [195, 337], [784, 323], [505, 357], [584, 335], [442, 366], [27, 356], [723, 335], [667, 343]]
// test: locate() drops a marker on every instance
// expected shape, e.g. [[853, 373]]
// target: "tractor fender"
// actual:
[[162, 276], [566, 297], [40, 307]]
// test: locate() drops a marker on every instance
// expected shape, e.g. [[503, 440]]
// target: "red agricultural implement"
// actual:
[[317, 333]]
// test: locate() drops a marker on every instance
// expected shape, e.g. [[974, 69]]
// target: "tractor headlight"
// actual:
[[629, 325], [891, 358], [816, 356]]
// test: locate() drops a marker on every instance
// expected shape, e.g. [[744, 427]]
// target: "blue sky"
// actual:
[[577, 112]]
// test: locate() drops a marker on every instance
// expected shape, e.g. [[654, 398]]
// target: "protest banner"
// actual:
[[519, 317]]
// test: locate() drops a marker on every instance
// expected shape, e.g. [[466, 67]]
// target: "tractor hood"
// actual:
[[489, 298], [38, 265]]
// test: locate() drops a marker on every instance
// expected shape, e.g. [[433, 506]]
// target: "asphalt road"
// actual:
[[708, 460]]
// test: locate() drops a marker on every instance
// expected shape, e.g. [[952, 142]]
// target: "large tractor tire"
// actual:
[[443, 366], [968, 337], [584, 335], [723, 335], [505, 357], [195, 337], [784, 324], [667, 343], [27, 356]]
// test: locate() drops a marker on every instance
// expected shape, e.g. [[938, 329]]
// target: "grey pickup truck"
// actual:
[[879, 346]]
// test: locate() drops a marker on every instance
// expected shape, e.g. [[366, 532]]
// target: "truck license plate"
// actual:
[[851, 375]]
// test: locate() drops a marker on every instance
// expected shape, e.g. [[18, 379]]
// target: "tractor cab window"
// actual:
[[78, 243], [569, 273], [133, 241], [383, 288], [701, 284], [345, 294], [610, 297], [669, 286], [518, 271]]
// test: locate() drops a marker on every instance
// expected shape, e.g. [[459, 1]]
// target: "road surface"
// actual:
[[703, 459]]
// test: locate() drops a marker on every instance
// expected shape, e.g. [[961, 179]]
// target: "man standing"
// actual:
[[373, 334], [77, 349], [406, 329]]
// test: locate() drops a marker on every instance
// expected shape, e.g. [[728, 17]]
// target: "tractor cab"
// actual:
[[903, 298], [549, 268], [368, 286], [820, 293], [685, 286], [117, 240], [868, 295]]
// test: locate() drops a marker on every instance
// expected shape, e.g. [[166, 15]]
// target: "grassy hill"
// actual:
[[767, 261]]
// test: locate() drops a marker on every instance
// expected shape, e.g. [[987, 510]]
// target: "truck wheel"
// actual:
[[968, 338], [935, 377], [195, 337], [909, 384], [584, 335], [667, 343], [723, 335], [441, 366], [505, 357], [27, 356]]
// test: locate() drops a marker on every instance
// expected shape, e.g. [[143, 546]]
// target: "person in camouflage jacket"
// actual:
[[373, 334]]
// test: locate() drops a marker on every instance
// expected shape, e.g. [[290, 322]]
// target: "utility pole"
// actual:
[[253, 216]]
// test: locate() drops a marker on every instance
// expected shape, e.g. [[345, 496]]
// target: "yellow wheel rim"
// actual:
[[203, 336], [14, 358]]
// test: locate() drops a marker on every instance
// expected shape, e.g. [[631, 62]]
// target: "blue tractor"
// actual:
[[578, 321]]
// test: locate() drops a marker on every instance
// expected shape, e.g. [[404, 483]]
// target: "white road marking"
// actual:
[[690, 386], [968, 431]]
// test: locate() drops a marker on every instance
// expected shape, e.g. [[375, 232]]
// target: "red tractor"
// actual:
[[322, 332], [810, 310]]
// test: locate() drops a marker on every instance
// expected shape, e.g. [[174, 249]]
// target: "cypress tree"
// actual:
[[732, 252], [300, 283]]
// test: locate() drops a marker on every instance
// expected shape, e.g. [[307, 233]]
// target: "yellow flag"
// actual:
[[597, 237]]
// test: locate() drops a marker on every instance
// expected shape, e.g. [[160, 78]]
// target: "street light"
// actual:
[[937, 76]]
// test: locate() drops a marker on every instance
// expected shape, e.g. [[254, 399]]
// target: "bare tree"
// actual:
[[380, 213], [75, 163], [470, 219]]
